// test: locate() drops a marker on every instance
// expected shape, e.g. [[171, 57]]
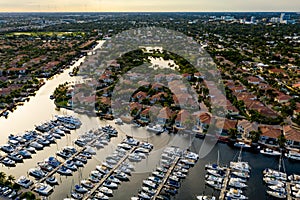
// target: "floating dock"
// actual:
[[98, 185], [160, 187], [224, 185]]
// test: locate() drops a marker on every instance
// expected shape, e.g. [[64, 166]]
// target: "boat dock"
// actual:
[[224, 186], [160, 187], [288, 191], [71, 158], [88, 195]]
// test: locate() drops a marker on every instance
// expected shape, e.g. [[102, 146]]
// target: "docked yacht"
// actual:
[[150, 184], [109, 184], [7, 148], [88, 184], [43, 189], [155, 128], [24, 153], [101, 196], [81, 189], [278, 195], [64, 171], [205, 197], [293, 155], [37, 173], [213, 184], [15, 157], [270, 152], [8, 162], [106, 190], [24, 182], [236, 184], [52, 180], [235, 194]]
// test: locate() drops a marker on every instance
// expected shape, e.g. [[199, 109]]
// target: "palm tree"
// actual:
[[10, 178], [2, 176]]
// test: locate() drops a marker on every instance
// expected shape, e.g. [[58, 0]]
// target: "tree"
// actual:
[[2, 176], [10, 179], [255, 135], [232, 133]]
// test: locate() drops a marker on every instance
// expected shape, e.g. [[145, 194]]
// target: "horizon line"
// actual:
[[262, 11]]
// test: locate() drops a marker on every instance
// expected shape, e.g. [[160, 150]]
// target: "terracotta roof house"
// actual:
[[244, 127], [164, 115], [282, 98], [292, 136], [269, 134]]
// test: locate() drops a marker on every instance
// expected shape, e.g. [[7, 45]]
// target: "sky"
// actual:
[[147, 5]]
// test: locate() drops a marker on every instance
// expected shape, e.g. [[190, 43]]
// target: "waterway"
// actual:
[[40, 109]]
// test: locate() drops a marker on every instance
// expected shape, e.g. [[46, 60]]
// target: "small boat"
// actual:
[[88, 184], [93, 179], [240, 166], [43, 189], [82, 159], [70, 165], [53, 161], [270, 152], [24, 153], [106, 190], [78, 163], [76, 195], [7, 148], [37, 173], [45, 166], [24, 182], [146, 145], [213, 184], [273, 181], [235, 194], [8, 162], [30, 149], [86, 154], [278, 195], [205, 197], [80, 142], [275, 173], [114, 179], [102, 169], [277, 188], [217, 173], [90, 150], [96, 174], [15, 157], [150, 184], [43, 141], [51, 180], [101, 196], [293, 155], [148, 190], [214, 178], [107, 165], [158, 174], [155, 128], [64, 171], [294, 178], [122, 176], [236, 184], [36, 145], [124, 146], [81, 189], [144, 195], [110, 184], [154, 179], [241, 145], [244, 175]]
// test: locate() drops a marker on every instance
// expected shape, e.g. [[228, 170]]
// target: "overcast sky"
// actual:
[[149, 5]]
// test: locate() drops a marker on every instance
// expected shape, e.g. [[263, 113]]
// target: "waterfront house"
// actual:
[[244, 127], [292, 136], [269, 134]]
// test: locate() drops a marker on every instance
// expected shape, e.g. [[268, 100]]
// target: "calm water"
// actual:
[[40, 108]]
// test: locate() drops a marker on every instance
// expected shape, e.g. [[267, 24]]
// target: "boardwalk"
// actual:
[[289, 192], [108, 174], [71, 158], [160, 187], [224, 186]]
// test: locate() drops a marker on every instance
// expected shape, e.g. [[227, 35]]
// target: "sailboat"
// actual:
[[215, 166], [240, 165], [277, 180]]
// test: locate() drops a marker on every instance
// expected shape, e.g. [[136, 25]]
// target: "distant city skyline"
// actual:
[[148, 6]]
